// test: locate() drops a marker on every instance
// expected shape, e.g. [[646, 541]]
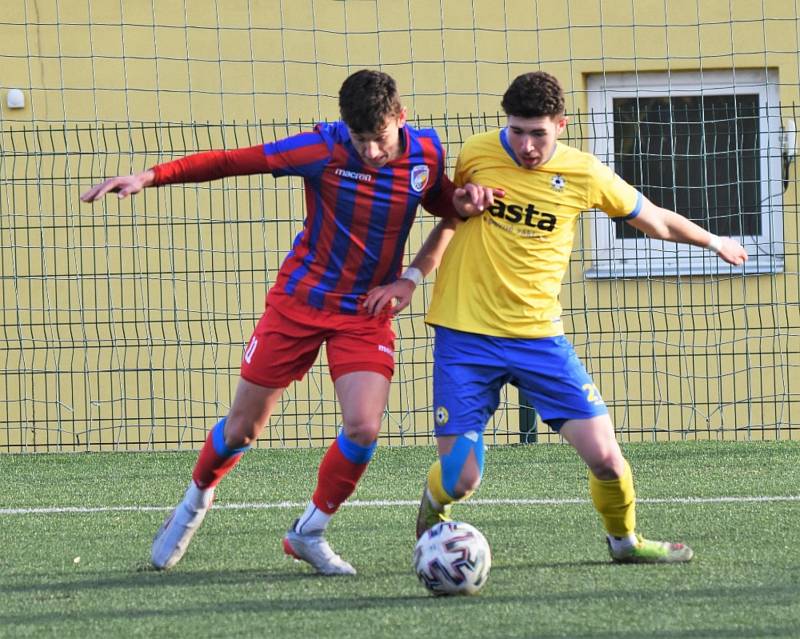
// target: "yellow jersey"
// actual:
[[501, 274]]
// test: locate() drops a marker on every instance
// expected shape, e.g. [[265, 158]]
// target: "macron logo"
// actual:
[[354, 175], [385, 349]]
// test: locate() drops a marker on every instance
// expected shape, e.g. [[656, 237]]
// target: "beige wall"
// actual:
[[215, 60], [124, 321]]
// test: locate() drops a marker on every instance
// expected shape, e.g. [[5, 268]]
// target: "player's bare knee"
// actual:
[[462, 465], [234, 442], [362, 431], [608, 467], [240, 432]]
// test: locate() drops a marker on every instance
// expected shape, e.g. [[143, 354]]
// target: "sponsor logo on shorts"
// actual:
[[385, 349], [442, 416]]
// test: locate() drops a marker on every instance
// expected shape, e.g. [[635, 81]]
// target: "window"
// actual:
[[705, 144]]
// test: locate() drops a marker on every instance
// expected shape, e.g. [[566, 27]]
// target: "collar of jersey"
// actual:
[[507, 146]]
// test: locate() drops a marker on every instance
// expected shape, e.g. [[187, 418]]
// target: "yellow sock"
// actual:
[[615, 500], [435, 487]]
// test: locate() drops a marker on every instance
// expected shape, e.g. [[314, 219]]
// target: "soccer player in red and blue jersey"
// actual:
[[364, 178]]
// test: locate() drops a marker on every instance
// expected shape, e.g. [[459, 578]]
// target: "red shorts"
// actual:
[[287, 339]]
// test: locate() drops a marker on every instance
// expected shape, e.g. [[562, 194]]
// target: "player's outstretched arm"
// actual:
[[122, 185], [473, 199], [663, 224], [398, 294]]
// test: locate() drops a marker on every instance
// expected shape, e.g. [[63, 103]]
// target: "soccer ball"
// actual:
[[452, 558]]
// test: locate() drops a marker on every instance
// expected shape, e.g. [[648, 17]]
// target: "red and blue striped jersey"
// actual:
[[357, 217]]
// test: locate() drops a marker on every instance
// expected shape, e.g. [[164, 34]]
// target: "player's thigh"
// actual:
[[551, 376], [362, 397], [468, 374], [361, 360], [281, 350], [359, 344]]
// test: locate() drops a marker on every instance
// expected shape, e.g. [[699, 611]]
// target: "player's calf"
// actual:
[[453, 477]]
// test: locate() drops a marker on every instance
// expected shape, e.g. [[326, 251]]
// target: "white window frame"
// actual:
[[640, 257]]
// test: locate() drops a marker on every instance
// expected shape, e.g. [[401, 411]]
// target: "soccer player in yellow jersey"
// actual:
[[495, 308]]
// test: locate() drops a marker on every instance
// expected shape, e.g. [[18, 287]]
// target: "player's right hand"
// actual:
[[122, 185], [392, 298], [473, 199], [732, 252]]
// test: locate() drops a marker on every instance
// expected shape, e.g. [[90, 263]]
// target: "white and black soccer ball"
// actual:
[[452, 558]]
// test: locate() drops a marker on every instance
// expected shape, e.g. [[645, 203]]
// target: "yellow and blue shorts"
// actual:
[[469, 371]]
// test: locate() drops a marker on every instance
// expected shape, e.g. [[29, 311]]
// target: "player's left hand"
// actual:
[[473, 199], [392, 297], [122, 185], [732, 252]]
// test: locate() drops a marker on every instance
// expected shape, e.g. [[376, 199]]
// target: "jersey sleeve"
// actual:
[[610, 193], [439, 200], [304, 154], [465, 165], [212, 165]]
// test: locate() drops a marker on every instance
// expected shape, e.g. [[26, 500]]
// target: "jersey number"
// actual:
[[592, 394], [248, 354]]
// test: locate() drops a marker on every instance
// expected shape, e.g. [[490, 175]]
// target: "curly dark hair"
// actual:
[[366, 99], [533, 95]]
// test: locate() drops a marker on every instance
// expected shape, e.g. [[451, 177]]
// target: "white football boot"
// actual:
[[313, 549], [172, 539]]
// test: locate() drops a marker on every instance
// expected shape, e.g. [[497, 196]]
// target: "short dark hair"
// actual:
[[366, 99], [533, 95]]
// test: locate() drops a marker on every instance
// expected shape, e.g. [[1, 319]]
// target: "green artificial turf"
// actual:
[[550, 577]]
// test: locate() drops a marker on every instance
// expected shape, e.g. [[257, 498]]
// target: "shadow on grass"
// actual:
[[257, 604], [145, 576], [252, 600], [553, 564]]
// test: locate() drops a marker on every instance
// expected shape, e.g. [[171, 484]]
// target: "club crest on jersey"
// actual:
[[442, 416], [558, 183], [419, 177]]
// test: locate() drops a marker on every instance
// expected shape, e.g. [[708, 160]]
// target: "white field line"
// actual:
[[61, 510]]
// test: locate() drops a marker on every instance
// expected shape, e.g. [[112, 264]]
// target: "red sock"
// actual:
[[337, 479], [215, 460]]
